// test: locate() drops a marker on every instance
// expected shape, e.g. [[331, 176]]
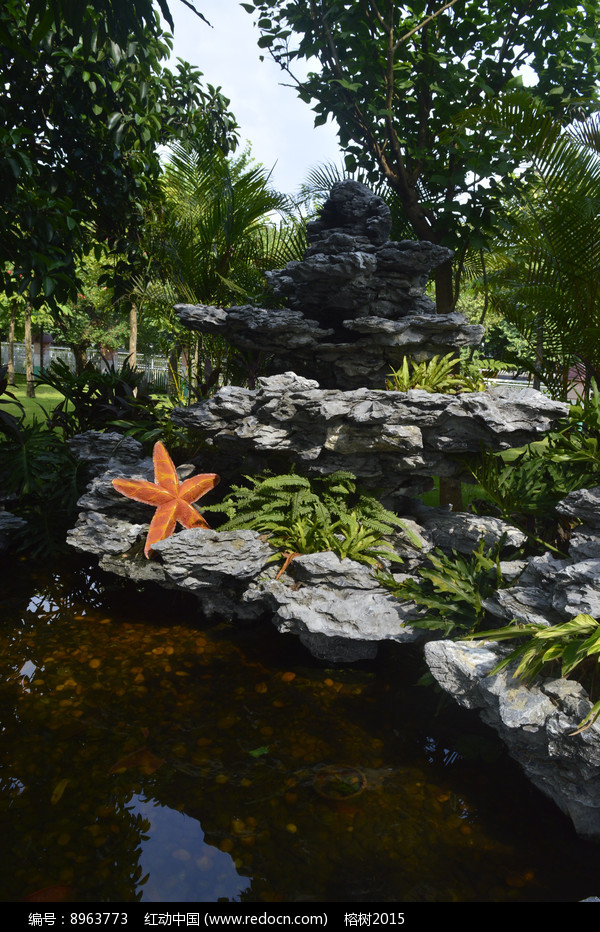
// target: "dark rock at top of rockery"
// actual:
[[353, 209], [352, 269], [356, 304]]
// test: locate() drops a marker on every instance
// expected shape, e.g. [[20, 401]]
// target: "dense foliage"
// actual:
[[81, 120], [95, 400], [452, 588], [219, 225], [542, 270], [395, 77], [525, 489]]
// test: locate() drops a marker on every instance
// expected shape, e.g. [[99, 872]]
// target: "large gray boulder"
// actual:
[[362, 351], [393, 441], [9, 525], [97, 449], [582, 509], [537, 723], [336, 607]]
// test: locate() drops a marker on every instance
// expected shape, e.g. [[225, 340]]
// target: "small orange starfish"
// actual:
[[172, 498]]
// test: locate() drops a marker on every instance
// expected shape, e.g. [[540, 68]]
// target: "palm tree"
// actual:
[[223, 226], [219, 228], [543, 270]]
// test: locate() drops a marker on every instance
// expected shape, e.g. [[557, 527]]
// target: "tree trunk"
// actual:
[[133, 335], [444, 288], [173, 385], [41, 349], [197, 362], [30, 390], [80, 354], [450, 489], [539, 351], [451, 493], [11, 343]]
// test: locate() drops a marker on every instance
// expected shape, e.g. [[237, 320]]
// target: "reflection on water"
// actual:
[[179, 865], [147, 755]]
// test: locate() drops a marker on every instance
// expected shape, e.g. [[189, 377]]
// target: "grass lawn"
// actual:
[[470, 491], [45, 397]]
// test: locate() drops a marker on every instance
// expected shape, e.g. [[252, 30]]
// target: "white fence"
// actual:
[[155, 368]]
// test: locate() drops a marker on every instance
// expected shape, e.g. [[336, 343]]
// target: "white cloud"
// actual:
[[271, 116]]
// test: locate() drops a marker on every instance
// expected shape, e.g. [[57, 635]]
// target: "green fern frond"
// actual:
[[306, 516]]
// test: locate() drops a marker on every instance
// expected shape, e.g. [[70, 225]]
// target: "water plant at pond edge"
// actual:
[[42, 481], [453, 589], [173, 499], [574, 645], [303, 515]]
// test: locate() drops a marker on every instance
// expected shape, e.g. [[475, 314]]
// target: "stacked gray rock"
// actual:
[[537, 723], [356, 302], [354, 294], [552, 590], [392, 441], [336, 608], [9, 525], [356, 307]]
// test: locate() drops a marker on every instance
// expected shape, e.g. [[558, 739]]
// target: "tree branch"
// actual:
[[424, 23]]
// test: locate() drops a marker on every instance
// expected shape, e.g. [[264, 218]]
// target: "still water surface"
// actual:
[[149, 756]]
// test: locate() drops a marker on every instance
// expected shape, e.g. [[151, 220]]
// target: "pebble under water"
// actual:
[[148, 755]]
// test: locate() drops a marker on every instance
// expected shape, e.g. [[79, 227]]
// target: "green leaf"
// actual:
[[347, 84], [113, 119]]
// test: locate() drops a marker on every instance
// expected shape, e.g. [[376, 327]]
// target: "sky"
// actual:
[[271, 116]]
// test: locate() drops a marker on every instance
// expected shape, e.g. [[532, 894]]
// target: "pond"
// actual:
[[150, 756]]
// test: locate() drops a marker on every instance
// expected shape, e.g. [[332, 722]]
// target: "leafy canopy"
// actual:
[[119, 20], [220, 226], [543, 269], [81, 120], [395, 78]]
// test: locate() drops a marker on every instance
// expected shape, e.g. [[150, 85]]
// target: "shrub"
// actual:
[[445, 374], [96, 400], [40, 478], [10, 420], [525, 490], [453, 589]]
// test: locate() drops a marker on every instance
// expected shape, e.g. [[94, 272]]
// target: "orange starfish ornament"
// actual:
[[173, 499]]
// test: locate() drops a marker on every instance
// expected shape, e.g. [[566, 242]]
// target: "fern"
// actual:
[[439, 374], [310, 516]]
